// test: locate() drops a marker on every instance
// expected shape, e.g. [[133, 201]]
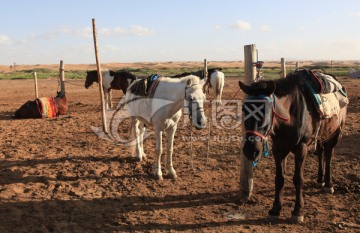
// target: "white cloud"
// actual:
[[355, 13], [141, 31], [241, 25], [5, 40], [265, 28], [217, 27]]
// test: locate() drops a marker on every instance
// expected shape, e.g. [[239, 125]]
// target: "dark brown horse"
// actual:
[[284, 110], [119, 80], [36, 109]]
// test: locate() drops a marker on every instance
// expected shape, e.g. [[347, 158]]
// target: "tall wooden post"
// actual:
[[98, 65], [205, 69], [250, 56], [36, 86], [246, 168], [332, 67], [283, 68], [62, 77], [297, 65]]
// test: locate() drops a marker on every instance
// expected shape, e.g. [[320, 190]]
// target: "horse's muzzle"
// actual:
[[251, 151], [201, 124]]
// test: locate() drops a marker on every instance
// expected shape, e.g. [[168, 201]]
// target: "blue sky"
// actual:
[[45, 32]]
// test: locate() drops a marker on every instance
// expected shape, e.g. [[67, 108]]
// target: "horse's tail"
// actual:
[[219, 85]]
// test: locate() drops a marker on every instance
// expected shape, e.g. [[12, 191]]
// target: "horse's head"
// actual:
[[28, 110], [61, 103], [195, 98], [258, 113], [91, 77]]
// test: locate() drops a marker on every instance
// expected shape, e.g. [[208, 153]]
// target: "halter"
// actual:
[[189, 105], [264, 137]]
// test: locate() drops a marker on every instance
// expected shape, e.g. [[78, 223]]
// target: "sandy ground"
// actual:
[[57, 175]]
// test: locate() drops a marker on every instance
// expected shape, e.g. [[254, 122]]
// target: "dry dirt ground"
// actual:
[[57, 175]]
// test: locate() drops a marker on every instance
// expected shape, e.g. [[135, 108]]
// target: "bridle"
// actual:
[[189, 101], [264, 137]]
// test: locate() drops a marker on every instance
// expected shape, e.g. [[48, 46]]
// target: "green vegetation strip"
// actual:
[[268, 72]]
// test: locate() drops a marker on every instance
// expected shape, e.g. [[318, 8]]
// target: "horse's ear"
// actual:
[[189, 82], [244, 88]]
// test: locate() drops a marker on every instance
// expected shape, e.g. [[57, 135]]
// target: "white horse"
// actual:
[[163, 111], [217, 80]]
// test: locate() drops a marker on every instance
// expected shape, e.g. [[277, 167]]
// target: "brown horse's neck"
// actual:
[[292, 104]]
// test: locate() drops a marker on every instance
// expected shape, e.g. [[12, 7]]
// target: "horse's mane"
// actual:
[[287, 85]]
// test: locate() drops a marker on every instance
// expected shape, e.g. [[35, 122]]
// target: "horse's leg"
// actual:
[[110, 99], [142, 131], [280, 163], [328, 153], [320, 154], [158, 173], [136, 129], [105, 99], [170, 133], [300, 152]]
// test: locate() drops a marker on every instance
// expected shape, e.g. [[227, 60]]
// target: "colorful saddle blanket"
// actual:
[[47, 107]]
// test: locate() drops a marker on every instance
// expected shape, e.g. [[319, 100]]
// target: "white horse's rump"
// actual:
[[217, 80], [163, 112]]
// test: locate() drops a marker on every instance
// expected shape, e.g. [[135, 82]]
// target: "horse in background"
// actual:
[[45, 107], [112, 80], [284, 109], [162, 109], [215, 79]]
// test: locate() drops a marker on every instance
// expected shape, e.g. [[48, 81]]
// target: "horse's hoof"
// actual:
[[172, 176], [320, 185], [297, 219], [158, 177], [329, 190], [273, 217]]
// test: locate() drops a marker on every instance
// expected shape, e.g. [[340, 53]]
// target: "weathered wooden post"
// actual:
[[205, 69], [36, 86], [62, 77], [246, 168], [283, 68], [98, 65], [297, 65]]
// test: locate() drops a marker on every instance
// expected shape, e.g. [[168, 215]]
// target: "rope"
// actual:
[[208, 145], [191, 154]]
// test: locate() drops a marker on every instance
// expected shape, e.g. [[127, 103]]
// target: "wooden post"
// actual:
[[62, 77], [36, 86], [249, 59], [332, 67], [283, 68], [205, 69], [103, 115], [246, 168], [297, 65]]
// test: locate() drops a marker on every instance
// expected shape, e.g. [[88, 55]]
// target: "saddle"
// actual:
[[326, 93], [142, 87]]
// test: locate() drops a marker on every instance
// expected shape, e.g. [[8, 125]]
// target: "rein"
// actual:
[[264, 137]]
